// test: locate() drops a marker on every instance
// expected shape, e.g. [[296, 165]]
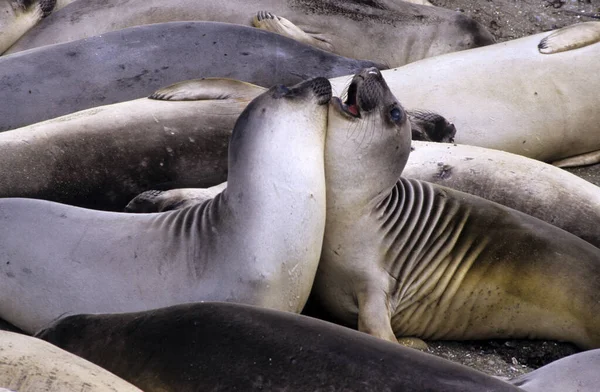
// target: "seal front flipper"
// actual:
[[208, 89], [374, 315], [276, 24], [571, 37], [589, 158]]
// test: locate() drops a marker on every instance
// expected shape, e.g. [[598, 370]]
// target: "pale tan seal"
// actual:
[[235, 247], [405, 258], [29, 364], [511, 97], [404, 32]]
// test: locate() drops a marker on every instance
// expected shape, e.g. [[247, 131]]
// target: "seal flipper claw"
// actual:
[[265, 20], [571, 37], [412, 342], [589, 158], [208, 89]]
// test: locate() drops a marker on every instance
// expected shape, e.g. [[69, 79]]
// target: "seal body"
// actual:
[[31, 365], [405, 258], [527, 185], [190, 347], [511, 97], [133, 63], [102, 157], [404, 32], [577, 372], [234, 247]]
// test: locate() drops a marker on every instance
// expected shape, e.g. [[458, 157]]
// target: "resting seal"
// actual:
[[133, 63], [575, 373], [102, 157], [404, 32], [227, 347], [91, 261], [31, 365], [405, 258], [530, 186], [511, 97]]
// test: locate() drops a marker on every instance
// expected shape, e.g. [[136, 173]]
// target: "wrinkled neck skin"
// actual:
[[363, 160]]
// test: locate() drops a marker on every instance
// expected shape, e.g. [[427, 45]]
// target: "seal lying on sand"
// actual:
[[405, 258], [527, 185], [404, 32], [226, 347], [31, 365], [133, 63], [59, 259], [18, 16], [511, 97], [102, 157], [576, 373]]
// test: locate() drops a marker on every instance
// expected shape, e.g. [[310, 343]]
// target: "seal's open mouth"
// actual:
[[350, 105]]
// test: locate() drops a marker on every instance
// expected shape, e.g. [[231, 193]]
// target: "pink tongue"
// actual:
[[353, 109]]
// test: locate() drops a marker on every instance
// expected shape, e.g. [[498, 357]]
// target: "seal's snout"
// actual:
[[321, 87]]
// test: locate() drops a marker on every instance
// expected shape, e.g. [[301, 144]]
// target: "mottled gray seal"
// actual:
[[405, 258], [575, 373], [227, 347], [18, 16], [31, 365], [404, 32], [527, 185], [511, 97], [234, 247], [102, 157], [133, 63]]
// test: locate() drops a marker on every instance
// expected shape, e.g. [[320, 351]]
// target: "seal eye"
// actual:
[[396, 114]]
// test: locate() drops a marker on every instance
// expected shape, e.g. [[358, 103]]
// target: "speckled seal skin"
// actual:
[[227, 347], [233, 248], [133, 63], [403, 32], [406, 259]]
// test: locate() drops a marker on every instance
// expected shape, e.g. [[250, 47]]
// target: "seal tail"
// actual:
[[570, 37]]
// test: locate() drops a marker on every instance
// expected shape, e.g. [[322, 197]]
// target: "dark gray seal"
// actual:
[[229, 347], [235, 247], [122, 65]]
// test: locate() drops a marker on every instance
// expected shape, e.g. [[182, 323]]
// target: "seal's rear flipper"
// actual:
[[208, 89], [276, 24], [571, 37], [589, 158]]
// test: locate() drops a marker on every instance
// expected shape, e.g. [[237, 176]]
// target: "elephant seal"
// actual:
[[233, 248], [527, 185], [511, 97], [575, 373], [31, 365], [227, 347], [102, 157], [133, 63], [404, 258], [404, 32], [18, 16], [173, 199]]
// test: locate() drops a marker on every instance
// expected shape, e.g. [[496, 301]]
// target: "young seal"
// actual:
[[133, 63], [232, 347], [403, 32], [31, 365], [575, 373], [527, 185], [235, 247], [511, 97], [403, 258], [102, 157]]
